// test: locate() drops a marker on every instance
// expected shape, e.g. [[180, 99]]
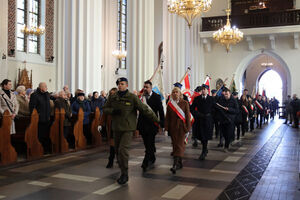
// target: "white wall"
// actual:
[[220, 64]]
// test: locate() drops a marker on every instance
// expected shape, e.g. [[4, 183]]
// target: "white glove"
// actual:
[[99, 128], [166, 133]]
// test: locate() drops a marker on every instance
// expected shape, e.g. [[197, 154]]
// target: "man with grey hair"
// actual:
[[40, 100]]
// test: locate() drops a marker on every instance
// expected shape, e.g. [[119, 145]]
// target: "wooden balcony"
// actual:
[[254, 20]]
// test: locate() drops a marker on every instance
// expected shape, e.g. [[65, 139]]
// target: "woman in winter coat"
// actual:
[[177, 123]]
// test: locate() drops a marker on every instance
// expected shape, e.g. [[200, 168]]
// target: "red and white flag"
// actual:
[[207, 82], [186, 86]]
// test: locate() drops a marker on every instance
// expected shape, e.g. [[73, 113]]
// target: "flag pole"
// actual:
[[186, 73]]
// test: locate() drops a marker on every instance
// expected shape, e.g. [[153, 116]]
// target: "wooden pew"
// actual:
[[80, 140], [18, 139], [96, 136], [54, 132], [64, 146], [8, 154], [34, 148]]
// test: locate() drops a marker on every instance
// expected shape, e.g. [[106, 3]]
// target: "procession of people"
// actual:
[[222, 112]]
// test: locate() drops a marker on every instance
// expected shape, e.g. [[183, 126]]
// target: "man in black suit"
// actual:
[[202, 109], [147, 128]]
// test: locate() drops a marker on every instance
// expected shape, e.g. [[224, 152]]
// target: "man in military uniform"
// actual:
[[123, 107], [147, 128], [202, 109]]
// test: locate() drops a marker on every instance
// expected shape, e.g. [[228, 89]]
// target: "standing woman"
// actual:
[[105, 122], [177, 123], [8, 101]]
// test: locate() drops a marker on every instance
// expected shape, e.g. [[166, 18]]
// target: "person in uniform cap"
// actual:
[[197, 92], [227, 108], [202, 109], [123, 107]]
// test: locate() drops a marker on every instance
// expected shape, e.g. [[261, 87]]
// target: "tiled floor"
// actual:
[[269, 156]]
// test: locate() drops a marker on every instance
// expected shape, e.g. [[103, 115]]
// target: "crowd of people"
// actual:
[[122, 112]]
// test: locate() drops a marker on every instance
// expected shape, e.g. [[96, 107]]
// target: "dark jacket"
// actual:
[[97, 103], [261, 102], [202, 110], [228, 116], [65, 104], [85, 105], [144, 124], [41, 102]]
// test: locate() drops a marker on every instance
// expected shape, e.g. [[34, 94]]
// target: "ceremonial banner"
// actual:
[[186, 87], [207, 82]]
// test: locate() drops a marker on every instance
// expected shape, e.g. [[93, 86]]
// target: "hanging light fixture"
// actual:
[[120, 53], [228, 35], [33, 30], [189, 9]]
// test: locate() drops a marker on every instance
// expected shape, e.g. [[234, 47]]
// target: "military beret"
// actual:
[[204, 86], [177, 84], [214, 91], [198, 89], [121, 79], [80, 94], [235, 93]]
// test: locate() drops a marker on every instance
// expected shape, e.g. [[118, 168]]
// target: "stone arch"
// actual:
[[245, 63]]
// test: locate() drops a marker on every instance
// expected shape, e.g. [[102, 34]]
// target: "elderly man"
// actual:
[[67, 91], [40, 100], [123, 107]]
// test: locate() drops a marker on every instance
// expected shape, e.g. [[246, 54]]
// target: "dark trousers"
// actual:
[[260, 116], [149, 142], [69, 136], [87, 133], [112, 153], [287, 116], [252, 120], [217, 128], [204, 144], [296, 120], [43, 135], [240, 127], [228, 133]]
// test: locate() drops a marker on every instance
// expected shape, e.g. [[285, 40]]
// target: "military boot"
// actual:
[[175, 163]]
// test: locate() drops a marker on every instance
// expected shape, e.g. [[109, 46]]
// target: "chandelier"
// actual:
[[120, 53], [228, 35], [29, 30], [189, 9]]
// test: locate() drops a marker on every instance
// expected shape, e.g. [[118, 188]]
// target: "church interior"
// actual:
[[62, 65]]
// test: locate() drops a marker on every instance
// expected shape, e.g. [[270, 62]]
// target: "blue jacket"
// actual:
[[86, 110], [97, 103]]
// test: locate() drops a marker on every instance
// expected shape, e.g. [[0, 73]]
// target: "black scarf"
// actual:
[[7, 92], [81, 104]]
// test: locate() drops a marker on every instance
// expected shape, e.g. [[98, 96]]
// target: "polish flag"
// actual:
[[207, 82], [186, 87]]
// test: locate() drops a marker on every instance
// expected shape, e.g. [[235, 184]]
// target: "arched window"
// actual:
[[122, 28], [28, 13]]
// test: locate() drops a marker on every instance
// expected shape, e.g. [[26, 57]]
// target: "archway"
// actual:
[[271, 84], [253, 66]]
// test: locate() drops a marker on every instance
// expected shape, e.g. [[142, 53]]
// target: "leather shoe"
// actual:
[[123, 179]]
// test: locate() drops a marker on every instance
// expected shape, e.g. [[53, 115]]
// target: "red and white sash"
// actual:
[[174, 106], [245, 109], [252, 107], [259, 105]]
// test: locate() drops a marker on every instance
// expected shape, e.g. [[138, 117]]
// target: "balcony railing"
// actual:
[[253, 20]]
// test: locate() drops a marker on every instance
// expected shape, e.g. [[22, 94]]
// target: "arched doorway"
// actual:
[[253, 66], [270, 83]]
